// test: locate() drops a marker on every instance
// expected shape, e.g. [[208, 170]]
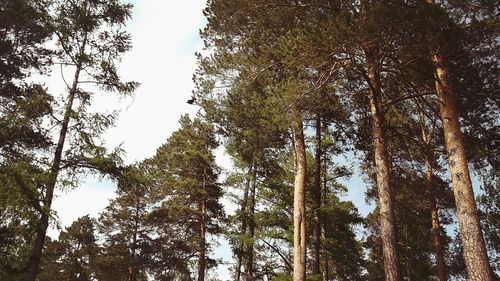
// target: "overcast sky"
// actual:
[[165, 38]]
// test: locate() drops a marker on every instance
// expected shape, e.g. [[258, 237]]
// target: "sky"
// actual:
[[162, 60], [165, 38]]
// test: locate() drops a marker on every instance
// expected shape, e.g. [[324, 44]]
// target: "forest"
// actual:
[[300, 94]]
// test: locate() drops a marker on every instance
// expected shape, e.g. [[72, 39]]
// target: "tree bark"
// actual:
[[436, 226], [382, 164], [476, 259], [474, 248], [249, 269], [317, 200], [243, 230], [37, 248], [326, 265], [202, 234], [299, 218]]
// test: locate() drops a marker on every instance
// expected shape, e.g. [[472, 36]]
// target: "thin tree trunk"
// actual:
[[436, 226], [299, 218], [249, 270], [243, 230], [326, 266], [36, 250], [132, 270], [317, 200], [202, 247], [409, 274], [385, 193], [476, 259]]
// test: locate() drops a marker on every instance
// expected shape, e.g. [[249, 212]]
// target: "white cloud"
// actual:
[[165, 37], [90, 198]]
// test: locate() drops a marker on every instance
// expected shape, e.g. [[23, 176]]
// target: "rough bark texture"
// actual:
[[36, 250], [386, 197], [299, 216], [317, 200], [474, 249], [476, 259]]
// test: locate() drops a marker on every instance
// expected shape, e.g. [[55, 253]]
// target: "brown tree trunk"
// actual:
[[37, 248], [299, 216], [326, 265], [317, 200], [251, 227], [132, 270], [382, 164], [476, 259], [202, 235], [243, 230], [436, 227]]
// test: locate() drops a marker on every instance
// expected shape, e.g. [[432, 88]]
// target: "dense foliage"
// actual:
[[406, 91]]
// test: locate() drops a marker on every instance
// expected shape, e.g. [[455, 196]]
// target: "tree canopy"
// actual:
[[301, 96]]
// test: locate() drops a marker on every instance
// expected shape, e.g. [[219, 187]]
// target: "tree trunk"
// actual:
[[436, 227], [132, 270], [299, 217], [326, 265], [476, 259], [202, 235], [317, 200], [382, 164], [243, 230], [249, 270], [36, 250]]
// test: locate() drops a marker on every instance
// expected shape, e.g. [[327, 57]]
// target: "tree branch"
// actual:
[[285, 259]]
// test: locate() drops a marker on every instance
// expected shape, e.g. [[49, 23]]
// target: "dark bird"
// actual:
[[191, 100]]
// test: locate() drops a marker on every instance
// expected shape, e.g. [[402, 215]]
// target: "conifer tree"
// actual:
[[90, 39], [476, 259], [125, 228], [190, 189], [23, 107], [73, 256]]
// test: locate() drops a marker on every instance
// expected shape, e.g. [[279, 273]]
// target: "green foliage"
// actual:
[[125, 229], [413, 227], [73, 256], [264, 59], [23, 107], [187, 183]]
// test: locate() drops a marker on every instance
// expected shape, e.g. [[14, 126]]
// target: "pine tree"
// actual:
[[23, 107], [125, 228], [90, 39], [476, 258], [190, 188], [73, 255]]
